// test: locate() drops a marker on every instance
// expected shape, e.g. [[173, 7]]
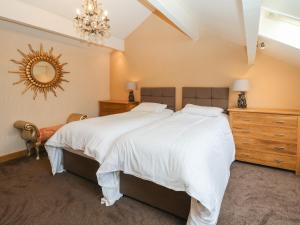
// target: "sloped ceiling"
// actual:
[[125, 15], [239, 21], [57, 16], [225, 18], [222, 17]]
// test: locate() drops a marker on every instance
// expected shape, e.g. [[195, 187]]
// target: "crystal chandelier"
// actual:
[[92, 22]]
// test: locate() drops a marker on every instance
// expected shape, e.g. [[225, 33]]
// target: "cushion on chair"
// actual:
[[47, 132]]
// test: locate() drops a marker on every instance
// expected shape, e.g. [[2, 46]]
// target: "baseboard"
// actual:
[[13, 156]]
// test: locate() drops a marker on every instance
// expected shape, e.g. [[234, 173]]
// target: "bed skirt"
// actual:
[[174, 202]]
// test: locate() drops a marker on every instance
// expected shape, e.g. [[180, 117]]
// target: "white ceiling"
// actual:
[[125, 15], [222, 17], [219, 17]]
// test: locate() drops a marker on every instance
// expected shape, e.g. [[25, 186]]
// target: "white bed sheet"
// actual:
[[95, 136], [185, 152]]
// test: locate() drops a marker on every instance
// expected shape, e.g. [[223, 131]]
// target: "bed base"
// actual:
[[174, 202], [81, 166]]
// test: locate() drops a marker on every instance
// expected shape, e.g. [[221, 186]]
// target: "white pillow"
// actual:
[[149, 107], [202, 110]]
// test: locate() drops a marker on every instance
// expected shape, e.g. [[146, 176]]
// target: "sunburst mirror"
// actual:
[[40, 71]]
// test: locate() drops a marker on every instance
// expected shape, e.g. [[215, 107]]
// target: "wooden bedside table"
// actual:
[[113, 107], [268, 137]]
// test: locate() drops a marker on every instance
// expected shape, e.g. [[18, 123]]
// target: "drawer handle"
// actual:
[[279, 121], [279, 148], [279, 135]]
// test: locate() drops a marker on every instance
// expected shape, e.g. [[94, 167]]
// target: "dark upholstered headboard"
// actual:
[[205, 96], [163, 95]]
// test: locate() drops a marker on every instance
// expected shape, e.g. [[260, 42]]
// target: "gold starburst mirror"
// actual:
[[40, 71]]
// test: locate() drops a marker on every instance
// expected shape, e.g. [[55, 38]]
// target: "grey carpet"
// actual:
[[30, 195]]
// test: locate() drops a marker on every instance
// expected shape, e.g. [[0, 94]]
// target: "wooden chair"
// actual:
[[35, 137]]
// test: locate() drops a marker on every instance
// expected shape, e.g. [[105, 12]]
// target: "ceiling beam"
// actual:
[[251, 12], [29, 15], [176, 12]]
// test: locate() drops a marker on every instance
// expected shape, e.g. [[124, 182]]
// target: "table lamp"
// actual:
[[131, 86], [242, 86]]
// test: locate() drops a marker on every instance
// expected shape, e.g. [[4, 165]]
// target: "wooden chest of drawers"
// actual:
[[267, 137], [114, 107]]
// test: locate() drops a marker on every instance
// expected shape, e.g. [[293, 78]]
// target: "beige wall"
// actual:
[[157, 54], [89, 82]]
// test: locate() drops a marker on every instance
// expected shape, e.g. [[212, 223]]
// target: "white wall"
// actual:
[[89, 82]]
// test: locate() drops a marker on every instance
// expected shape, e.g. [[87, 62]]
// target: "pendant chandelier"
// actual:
[[91, 22]]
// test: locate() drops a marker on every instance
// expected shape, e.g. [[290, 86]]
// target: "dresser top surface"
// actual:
[[267, 110]]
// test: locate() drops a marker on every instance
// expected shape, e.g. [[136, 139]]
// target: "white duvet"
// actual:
[[185, 152], [96, 136]]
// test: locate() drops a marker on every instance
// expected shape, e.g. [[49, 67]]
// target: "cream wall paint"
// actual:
[[89, 82], [157, 54]]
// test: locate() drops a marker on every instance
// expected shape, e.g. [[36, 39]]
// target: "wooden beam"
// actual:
[[251, 12], [29, 15], [176, 12]]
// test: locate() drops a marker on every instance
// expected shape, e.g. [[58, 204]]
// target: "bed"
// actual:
[[175, 202]]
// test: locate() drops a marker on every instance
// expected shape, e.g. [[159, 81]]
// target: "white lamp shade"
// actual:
[[240, 85], [131, 86]]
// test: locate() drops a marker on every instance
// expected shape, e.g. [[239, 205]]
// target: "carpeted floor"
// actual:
[[30, 195]]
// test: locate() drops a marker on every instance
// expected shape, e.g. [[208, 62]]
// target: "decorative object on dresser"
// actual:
[[131, 86], [34, 137], [268, 137], [40, 71], [113, 107], [242, 86]]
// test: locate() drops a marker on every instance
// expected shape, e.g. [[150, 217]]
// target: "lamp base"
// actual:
[[242, 102], [131, 96]]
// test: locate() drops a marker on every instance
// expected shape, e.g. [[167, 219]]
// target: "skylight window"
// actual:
[[283, 17], [281, 27]]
